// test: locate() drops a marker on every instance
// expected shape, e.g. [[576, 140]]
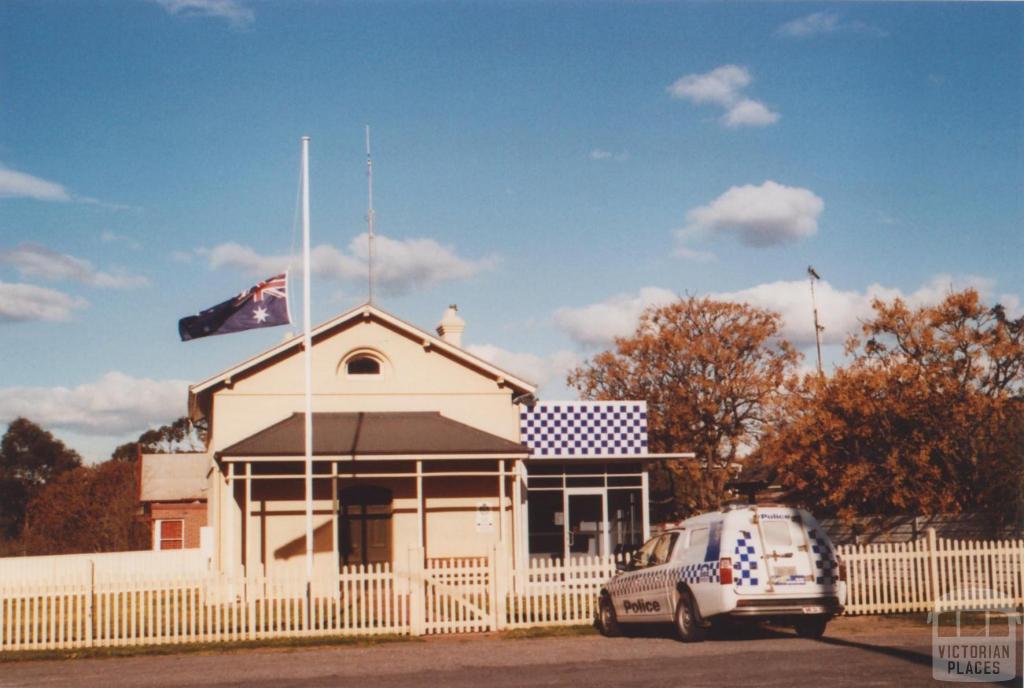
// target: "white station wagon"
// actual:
[[746, 562]]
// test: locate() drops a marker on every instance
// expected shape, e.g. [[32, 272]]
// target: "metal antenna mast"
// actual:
[[812, 275], [369, 218]]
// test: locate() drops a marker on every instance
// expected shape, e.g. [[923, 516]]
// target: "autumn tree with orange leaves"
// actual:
[[927, 418], [708, 370]]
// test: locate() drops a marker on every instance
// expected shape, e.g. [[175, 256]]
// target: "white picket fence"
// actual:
[[443, 596], [553, 592], [104, 565], [933, 574]]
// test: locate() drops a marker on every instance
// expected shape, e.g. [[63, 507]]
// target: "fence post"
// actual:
[[499, 586], [933, 569], [417, 592], [89, 603]]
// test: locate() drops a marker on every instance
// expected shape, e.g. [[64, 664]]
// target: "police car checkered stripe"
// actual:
[[637, 582], [826, 564], [585, 428], [744, 565]]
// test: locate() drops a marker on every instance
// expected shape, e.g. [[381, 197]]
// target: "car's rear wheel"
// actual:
[[607, 622], [687, 622], [811, 626]]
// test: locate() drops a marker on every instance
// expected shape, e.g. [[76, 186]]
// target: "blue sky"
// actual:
[[550, 167]]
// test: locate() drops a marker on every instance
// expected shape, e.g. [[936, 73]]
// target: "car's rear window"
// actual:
[[776, 534]]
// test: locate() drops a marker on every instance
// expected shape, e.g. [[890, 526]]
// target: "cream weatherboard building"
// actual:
[[421, 450]]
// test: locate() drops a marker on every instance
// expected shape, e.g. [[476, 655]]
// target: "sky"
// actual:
[[551, 167]]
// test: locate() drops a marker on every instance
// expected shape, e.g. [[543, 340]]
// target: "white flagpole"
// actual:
[[369, 218], [307, 341]]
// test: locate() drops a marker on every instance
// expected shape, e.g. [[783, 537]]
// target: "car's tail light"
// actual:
[[725, 571]]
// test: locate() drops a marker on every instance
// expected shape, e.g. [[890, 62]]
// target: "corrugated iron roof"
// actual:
[[373, 433], [173, 477]]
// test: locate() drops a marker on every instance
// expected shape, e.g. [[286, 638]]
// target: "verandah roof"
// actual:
[[422, 433]]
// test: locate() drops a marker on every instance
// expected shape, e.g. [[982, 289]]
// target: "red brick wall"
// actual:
[[194, 516]]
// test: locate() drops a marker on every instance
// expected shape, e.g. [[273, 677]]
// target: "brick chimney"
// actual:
[[452, 326]]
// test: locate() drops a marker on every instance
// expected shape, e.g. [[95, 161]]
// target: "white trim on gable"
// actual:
[[368, 312]]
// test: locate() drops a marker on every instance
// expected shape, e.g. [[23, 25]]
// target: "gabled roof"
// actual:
[[200, 390], [422, 433]]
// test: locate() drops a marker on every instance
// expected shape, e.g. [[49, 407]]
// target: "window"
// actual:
[[645, 555], [170, 534], [699, 538], [663, 549], [363, 365], [776, 534]]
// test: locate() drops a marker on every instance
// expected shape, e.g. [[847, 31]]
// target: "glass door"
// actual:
[[585, 523]]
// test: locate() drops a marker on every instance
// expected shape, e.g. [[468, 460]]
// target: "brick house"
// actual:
[[172, 492]]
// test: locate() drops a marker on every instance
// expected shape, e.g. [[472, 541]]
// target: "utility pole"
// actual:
[[813, 275]]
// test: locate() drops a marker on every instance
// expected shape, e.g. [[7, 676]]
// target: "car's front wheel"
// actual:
[[607, 622], [687, 623]]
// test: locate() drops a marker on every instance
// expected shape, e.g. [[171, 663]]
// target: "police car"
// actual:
[[749, 562]]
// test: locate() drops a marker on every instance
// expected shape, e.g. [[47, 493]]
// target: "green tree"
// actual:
[[182, 435], [30, 458], [708, 371]]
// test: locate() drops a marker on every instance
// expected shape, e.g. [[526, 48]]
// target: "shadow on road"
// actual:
[[717, 632], [912, 656], [922, 658]]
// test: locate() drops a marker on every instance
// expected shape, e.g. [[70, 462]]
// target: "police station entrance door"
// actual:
[[586, 522]]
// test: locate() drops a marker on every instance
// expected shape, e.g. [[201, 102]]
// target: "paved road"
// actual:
[[852, 657]]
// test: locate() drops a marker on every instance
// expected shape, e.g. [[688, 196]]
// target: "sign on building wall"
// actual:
[[484, 518]]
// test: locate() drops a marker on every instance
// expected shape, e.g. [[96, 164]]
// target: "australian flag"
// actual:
[[264, 305]]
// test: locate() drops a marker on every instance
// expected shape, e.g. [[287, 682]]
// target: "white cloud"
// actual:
[[235, 11], [723, 87], [842, 311], [545, 371], [598, 324], [693, 254], [750, 113], [113, 405], [108, 237], [839, 311], [22, 302], [810, 25], [33, 260], [765, 215], [14, 184], [400, 265], [821, 23], [601, 154]]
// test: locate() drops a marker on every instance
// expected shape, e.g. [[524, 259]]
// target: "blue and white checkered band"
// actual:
[[642, 581], [744, 565], [826, 565], [585, 428], [703, 572]]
